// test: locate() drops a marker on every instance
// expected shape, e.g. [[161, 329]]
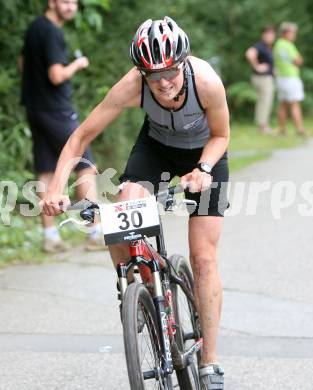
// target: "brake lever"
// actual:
[[74, 221], [188, 202], [176, 205]]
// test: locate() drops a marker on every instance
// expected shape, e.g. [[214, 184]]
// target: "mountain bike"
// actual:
[[162, 335]]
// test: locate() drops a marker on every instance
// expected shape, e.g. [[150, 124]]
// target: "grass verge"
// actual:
[[248, 145], [21, 240]]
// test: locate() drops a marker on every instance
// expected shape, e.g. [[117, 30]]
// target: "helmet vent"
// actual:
[[161, 28], [179, 47], [168, 49], [156, 51], [145, 52]]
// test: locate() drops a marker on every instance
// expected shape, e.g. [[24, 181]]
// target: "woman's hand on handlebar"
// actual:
[[196, 181], [54, 204]]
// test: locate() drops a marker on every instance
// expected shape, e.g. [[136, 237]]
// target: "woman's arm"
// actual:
[[126, 93], [213, 99]]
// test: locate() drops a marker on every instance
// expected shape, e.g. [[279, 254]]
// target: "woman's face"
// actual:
[[291, 35], [166, 84]]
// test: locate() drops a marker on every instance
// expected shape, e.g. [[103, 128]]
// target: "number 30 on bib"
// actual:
[[130, 220]]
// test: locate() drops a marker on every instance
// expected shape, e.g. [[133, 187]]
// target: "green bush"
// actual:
[[103, 31], [242, 97]]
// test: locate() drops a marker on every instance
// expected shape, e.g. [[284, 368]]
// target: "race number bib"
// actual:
[[130, 220]]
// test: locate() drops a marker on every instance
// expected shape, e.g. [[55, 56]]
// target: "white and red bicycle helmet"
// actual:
[[159, 44]]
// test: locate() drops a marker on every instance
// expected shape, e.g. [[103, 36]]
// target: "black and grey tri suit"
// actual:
[[172, 141]]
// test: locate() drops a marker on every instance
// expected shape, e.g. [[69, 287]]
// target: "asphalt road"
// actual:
[[60, 327]]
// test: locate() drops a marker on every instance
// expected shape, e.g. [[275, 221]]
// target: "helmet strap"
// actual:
[[184, 87]]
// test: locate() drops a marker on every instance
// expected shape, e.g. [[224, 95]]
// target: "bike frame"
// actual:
[[153, 266]]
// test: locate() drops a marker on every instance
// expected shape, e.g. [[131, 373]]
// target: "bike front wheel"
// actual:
[[188, 326], [142, 341]]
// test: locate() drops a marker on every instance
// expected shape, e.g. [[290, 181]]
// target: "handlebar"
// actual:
[[87, 208], [170, 191], [162, 197], [83, 205]]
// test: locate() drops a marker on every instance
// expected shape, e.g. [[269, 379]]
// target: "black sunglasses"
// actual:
[[168, 74]]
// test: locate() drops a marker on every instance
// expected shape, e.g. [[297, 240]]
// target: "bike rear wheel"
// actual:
[[187, 321], [142, 341]]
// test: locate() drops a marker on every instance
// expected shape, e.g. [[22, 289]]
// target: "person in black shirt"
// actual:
[[261, 60], [46, 95]]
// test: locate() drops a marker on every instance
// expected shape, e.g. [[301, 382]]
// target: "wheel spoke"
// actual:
[[147, 343]]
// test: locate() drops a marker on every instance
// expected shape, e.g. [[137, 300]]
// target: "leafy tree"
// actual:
[[220, 31]]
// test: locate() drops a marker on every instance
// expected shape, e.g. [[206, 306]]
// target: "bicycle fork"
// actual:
[[159, 303]]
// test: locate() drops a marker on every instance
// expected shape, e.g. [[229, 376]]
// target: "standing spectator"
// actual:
[[46, 94], [261, 59], [289, 85]]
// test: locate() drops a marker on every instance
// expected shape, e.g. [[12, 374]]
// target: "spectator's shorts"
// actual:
[[289, 89], [149, 160], [50, 132]]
